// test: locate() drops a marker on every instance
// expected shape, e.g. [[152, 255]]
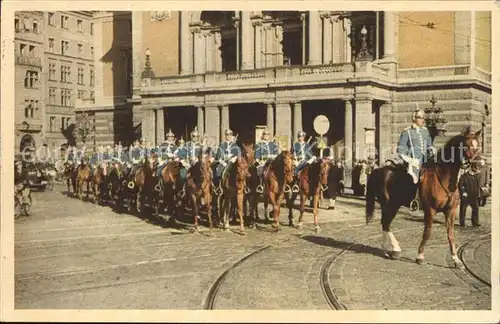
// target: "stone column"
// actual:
[[284, 121], [348, 132], [327, 38], [257, 25], [390, 34], [200, 119], [247, 41], [160, 126], [186, 45], [297, 117], [148, 125], [364, 119], [199, 51], [337, 44], [270, 118], [303, 20], [209, 53], [347, 40], [278, 45], [268, 44], [236, 24], [385, 130], [314, 38], [212, 122], [137, 52], [217, 49], [224, 119]]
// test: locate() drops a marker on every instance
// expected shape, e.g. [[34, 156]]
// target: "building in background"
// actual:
[[29, 83], [366, 71], [69, 71]]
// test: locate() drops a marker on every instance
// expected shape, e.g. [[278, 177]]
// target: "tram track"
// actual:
[[467, 268]]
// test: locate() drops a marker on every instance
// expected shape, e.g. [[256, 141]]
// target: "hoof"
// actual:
[[252, 226], [243, 232], [459, 265], [394, 255], [419, 261], [317, 229], [291, 224]]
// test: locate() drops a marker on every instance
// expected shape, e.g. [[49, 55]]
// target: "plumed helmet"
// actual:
[[170, 134], [228, 132], [301, 133], [418, 113], [181, 141], [266, 132], [195, 133]]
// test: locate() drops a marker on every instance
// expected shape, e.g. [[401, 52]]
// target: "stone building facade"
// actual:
[[366, 71]]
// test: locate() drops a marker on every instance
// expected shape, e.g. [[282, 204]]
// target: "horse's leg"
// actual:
[[195, 201], [266, 203], [67, 184], [225, 212], [450, 226], [303, 196], [315, 210], [290, 199], [239, 197], [428, 217], [276, 202], [390, 244], [208, 202]]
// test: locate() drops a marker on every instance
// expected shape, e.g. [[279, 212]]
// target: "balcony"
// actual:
[[266, 78], [29, 60], [443, 73]]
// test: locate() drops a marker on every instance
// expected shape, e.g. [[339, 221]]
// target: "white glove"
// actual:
[[170, 155], [295, 162], [415, 162], [184, 163], [272, 156], [406, 158], [195, 159], [233, 159], [211, 159], [229, 156], [224, 164], [311, 160], [464, 194]]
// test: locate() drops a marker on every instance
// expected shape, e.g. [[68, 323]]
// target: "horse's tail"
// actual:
[[370, 196]]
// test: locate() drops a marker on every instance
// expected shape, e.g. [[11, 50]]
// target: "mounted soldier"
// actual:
[[415, 145], [227, 152], [265, 152], [301, 151], [137, 155], [181, 155], [166, 151], [193, 147]]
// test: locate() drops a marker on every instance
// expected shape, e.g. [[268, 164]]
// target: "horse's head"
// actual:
[[471, 143], [288, 165], [462, 148], [249, 153], [241, 169], [323, 173]]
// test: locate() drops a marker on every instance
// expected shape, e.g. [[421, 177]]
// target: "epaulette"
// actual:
[[407, 128]]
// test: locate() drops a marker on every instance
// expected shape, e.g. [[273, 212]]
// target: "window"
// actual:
[[91, 28], [52, 124], [26, 24], [51, 45], [92, 95], [92, 51], [35, 27], [29, 108], [65, 74], [52, 96], [66, 97], [79, 25], [80, 49], [31, 79], [22, 49], [52, 19], [63, 122], [64, 21], [52, 71], [92, 78], [81, 76], [17, 26], [81, 95], [31, 50], [64, 47]]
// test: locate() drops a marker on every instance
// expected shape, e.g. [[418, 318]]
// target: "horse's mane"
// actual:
[[451, 149], [278, 166]]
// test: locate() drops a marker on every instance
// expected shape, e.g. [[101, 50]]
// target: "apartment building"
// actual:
[[69, 71], [29, 83]]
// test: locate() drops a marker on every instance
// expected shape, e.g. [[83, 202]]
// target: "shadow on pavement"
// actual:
[[344, 246]]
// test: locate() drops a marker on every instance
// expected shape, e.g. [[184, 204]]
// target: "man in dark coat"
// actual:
[[484, 179], [335, 183], [469, 187]]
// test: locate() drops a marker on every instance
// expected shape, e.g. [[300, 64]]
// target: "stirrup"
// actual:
[[295, 188], [287, 188], [131, 184], [158, 188], [260, 189]]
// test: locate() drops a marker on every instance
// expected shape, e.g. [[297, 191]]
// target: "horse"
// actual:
[[83, 175], [169, 185], [142, 182], [234, 187], [279, 175], [199, 185], [116, 181], [438, 192], [70, 175], [99, 181], [251, 196], [313, 179]]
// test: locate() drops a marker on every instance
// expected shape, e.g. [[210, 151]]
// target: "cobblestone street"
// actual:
[[73, 254]]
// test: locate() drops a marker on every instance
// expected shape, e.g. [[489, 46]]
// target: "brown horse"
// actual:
[[98, 180], [313, 179], [70, 175], [278, 176], [169, 185], [83, 176], [234, 187], [198, 186], [116, 181], [251, 196], [142, 184], [438, 192]]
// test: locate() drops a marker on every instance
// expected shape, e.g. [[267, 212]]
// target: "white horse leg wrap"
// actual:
[[385, 241], [394, 243]]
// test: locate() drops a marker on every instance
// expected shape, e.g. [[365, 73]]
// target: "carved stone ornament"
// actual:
[[160, 15]]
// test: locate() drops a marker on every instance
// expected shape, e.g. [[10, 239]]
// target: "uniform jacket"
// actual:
[[417, 137], [266, 148], [226, 148], [193, 149], [302, 150], [166, 148], [181, 152]]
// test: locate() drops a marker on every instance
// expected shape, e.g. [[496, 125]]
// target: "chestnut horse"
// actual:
[[234, 187], [83, 175], [251, 196], [116, 181], [98, 181], [169, 186], [438, 192], [199, 185], [313, 179], [142, 184], [279, 175]]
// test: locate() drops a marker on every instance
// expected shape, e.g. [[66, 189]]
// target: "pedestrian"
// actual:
[[469, 193], [335, 183], [484, 178]]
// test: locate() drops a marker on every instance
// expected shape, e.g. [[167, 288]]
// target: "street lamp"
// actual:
[[435, 120], [364, 53], [148, 70]]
